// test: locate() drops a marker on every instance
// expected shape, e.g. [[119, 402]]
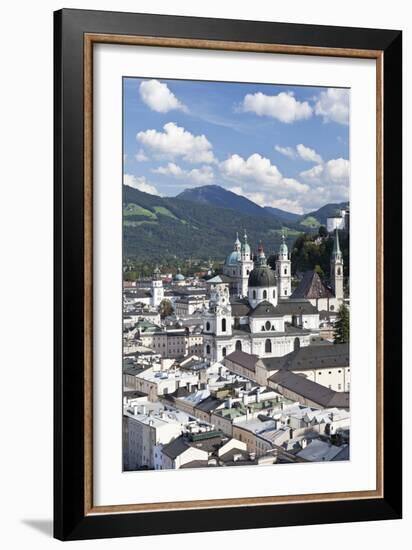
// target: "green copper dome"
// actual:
[[233, 258]]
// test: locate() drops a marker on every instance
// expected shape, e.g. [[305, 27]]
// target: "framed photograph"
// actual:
[[227, 274]]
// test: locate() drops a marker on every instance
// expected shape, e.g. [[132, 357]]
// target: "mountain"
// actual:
[[156, 228], [286, 217], [318, 217], [214, 195]]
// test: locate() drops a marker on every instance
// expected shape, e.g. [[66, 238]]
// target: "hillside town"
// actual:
[[239, 367]]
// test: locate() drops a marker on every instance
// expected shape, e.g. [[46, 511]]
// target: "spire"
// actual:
[[260, 256], [336, 252], [283, 249], [245, 237], [237, 242]]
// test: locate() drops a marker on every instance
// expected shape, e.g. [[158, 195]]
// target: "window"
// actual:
[[285, 271], [223, 325], [238, 345], [339, 271], [247, 272], [274, 293], [208, 349], [254, 294], [268, 346], [332, 308], [265, 294], [224, 352], [339, 387], [267, 325], [208, 326]]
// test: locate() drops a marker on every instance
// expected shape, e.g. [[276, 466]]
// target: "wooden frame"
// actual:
[[75, 33]]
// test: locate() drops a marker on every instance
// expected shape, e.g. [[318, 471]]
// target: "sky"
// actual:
[[278, 145]]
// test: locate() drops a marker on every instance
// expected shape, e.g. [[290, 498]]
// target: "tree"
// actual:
[[341, 332], [165, 308], [319, 271], [322, 232]]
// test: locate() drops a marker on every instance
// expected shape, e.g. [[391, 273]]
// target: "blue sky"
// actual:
[[282, 146]]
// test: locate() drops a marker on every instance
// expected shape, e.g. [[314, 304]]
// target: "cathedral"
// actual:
[[252, 307]]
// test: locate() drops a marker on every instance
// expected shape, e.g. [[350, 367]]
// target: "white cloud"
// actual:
[[158, 97], [174, 142], [141, 156], [203, 175], [258, 169], [140, 183], [329, 182], [306, 153], [286, 151], [333, 105], [335, 171], [283, 107]]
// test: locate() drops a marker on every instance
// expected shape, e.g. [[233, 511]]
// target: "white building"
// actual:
[[339, 221], [157, 288], [145, 425], [257, 323]]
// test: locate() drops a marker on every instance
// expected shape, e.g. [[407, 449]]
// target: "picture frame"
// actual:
[[76, 32]]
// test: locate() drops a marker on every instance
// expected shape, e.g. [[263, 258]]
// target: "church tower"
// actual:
[[336, 268], [283, 271], [217, 324], [246, 266], [157, 288]]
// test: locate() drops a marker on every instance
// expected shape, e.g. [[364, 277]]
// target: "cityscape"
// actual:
[[235, 306]]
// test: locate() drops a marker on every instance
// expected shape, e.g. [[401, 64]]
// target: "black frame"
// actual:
[[70, 522]]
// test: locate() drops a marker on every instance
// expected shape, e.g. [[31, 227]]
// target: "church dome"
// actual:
[[179, 276], [262, 276], [283, 249], [246, 249], [233, 258]]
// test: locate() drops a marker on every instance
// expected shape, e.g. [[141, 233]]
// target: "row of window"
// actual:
[[265, 294]]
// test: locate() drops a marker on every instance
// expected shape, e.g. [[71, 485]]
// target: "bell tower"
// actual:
[[157, 288], [246, 266], [283, 271], [336, 268]]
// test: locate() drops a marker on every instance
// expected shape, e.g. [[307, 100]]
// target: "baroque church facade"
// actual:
[[252, 307]]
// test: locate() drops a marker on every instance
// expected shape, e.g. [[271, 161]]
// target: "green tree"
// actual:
[[341, 333], [322, 232], [319, 271], [165, 308]]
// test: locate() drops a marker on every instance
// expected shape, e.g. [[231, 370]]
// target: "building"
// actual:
[[284, 271], [157, 288], [238, 266], [339, 221], [145, 425], [313, 289], [259, 323], [298, 388], [327, 365], [157, 381]]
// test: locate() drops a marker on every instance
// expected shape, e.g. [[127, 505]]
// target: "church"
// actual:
[[252, 307]]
